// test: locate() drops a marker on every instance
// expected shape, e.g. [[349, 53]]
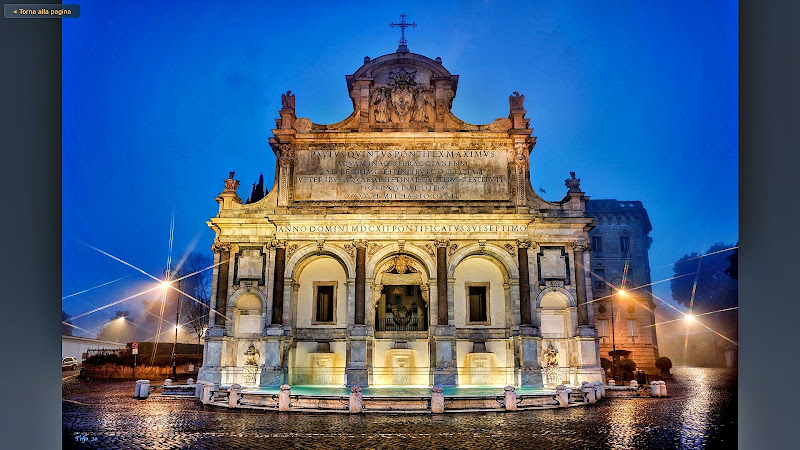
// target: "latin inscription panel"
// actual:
[[325, 173]]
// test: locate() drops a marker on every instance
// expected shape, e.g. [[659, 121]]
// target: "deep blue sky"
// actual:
[[160, 102]]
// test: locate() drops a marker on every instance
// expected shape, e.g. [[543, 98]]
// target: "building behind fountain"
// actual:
[[402, 246]]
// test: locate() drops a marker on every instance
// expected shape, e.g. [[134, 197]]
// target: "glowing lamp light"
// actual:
[[689, 318], [622, 292]]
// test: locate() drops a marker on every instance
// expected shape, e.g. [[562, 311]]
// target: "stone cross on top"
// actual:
[[403, 25]]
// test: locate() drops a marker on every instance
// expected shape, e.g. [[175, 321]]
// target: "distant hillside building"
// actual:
[[620, 237]]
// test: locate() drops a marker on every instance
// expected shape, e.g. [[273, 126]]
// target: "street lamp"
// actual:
[[169, 275], [620, 289]]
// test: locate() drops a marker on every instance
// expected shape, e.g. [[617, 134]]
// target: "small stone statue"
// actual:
[[380, 98], [574, 184], [287, 100], [250, 365], [230, 183], [421, 99], [551, 363], [515, 101]]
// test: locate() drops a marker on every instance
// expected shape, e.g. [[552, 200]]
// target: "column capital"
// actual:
[[218, 246], [581, 245], [441, 242], [525, 243], [277, 243], [360, 243]]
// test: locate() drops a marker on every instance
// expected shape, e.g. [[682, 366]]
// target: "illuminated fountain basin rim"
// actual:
[[396, 391]]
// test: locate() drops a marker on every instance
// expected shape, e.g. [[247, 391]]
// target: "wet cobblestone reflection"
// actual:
[[700, 413]]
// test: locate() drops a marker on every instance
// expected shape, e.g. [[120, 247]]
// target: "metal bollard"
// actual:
[[612, 382], [437, 400], [137, 388], [168, 382], [190, 381], [562, 395], [144, 389], [510, 397], [634, 384], [662, 388], [283, 398], [356, 400]]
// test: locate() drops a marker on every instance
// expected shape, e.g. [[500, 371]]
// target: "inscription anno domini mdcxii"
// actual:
[[365, 173]]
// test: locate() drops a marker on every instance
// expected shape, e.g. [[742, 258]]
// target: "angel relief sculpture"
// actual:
[[380, 99]]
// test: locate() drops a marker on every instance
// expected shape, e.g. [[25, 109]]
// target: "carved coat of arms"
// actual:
[[402, 96]]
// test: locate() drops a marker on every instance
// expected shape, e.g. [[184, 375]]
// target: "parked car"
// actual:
[[69, 363]]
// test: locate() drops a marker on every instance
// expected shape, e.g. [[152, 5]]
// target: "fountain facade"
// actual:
[[459, 258]]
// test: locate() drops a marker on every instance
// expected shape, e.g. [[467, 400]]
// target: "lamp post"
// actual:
[[169, 275], [618, 289]]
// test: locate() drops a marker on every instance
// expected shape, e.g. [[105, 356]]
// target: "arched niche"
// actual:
[[402, 293], [321, 289], [248, 313], [555, 314], [480, 292]]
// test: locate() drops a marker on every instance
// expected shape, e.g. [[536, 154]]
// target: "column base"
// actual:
[[445, 377], [531, 378], [357, 376]]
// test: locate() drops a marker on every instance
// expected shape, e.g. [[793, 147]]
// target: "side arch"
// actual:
[[496, 254], [302, 257], [570, 299]]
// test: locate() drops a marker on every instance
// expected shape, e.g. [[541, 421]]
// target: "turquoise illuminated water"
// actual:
[[396, 391]]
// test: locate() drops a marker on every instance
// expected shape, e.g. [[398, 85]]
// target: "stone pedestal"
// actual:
[[272, 373], [212, 361], [437, 400], [144, 389], [445, 372], [357, 372], [510, 398], [530, 373], [356, 400], [233, 398], [283, 398], [591, 394], [562, 395]]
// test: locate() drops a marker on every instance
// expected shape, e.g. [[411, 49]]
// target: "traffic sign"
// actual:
[[134, 345]]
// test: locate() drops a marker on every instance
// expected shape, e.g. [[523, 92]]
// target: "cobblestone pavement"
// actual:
[[700, 413]]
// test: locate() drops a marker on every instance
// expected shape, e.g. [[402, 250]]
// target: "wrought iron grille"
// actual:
[[389, 324]]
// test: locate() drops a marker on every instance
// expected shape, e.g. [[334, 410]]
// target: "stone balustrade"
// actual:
[[356, 402]]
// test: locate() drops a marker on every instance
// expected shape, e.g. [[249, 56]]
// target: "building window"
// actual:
[[599, 277], [633, 328], [602, 328], [597, 244], [478, 303], [624, 243], [325, 302]]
